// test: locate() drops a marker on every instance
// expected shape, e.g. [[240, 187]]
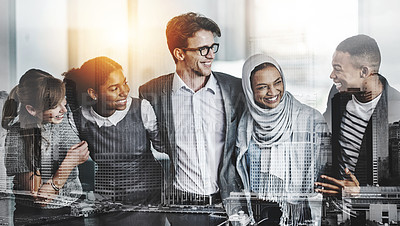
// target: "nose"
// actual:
[[124, 90], [272, 91], [63, 109], [332, 76], [210, 54]]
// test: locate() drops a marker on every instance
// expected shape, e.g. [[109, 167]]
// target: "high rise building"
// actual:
[[394, 146]]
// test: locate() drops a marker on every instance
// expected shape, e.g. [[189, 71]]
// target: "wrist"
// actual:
[[54, 186]]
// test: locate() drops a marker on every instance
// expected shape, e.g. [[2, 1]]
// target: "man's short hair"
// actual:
[[184, 26], [363, 49]]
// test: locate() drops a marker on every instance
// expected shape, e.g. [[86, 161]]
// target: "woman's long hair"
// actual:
[[42, 91]]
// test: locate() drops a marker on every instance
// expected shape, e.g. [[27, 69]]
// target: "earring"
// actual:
[[95, 98]]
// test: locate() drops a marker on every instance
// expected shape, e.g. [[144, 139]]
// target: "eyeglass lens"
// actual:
[[205, 50]]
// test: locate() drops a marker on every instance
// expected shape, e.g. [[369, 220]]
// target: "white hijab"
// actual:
[[284, 153], [274, 124]]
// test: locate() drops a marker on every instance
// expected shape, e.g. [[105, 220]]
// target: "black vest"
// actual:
[[126, 169]]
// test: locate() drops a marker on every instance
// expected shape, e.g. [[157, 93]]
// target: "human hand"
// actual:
[[337, 187], [78, 154]]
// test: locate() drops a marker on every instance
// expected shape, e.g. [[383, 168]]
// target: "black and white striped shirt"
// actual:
[[352, 129]]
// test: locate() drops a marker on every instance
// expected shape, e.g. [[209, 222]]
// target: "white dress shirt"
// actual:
[[199, 120]]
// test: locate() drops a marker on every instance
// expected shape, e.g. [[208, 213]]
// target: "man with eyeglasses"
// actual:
[[198, 111]]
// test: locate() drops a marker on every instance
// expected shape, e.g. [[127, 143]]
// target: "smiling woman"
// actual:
[[279, 145], [42, 150], [112, 95], [118, 129], [267, 85]]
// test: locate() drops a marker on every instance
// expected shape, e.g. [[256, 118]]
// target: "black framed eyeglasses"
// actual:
[[204, 50]]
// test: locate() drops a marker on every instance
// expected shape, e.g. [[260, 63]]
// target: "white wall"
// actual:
[[379, 19], [41, 36], [7, 61]]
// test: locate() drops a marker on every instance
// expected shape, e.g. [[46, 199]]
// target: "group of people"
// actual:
[[222, 134]]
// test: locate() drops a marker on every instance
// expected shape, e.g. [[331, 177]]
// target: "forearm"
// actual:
[[63, 172], [50, 188]]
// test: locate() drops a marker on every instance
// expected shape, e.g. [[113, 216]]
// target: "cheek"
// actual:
[[281, 88], [47, 114], [108, 96], [110, 99], [343, 76], [258, 96]]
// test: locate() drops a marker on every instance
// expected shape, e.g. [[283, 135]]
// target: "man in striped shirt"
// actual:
[[362, 107]]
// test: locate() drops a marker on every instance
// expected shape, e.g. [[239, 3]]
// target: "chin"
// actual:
[[120, 108], [203, 72], [207, 73]]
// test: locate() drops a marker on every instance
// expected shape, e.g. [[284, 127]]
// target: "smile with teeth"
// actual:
[[207, 64], [59, 116], [121, 101], [272, 99], [338, 84]]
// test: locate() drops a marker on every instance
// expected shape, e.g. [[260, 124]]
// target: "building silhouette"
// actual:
[[394, 146]]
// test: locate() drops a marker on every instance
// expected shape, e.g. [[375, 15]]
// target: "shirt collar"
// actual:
[[178, 83], [90, 114]]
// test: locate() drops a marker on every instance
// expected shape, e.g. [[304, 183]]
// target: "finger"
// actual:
[[86, 157], [76, 145], [333, 180], [83, 145], [85, 153], [82, 149], [353, 178], [329, 186], [327, 192]]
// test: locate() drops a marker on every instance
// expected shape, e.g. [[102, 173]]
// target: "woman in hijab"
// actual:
[[279, 144]]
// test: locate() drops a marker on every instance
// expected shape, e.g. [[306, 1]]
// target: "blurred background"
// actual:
[[57, 35]]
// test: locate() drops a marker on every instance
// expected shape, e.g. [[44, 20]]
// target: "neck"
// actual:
[[28, 121], [192, 79], [102, 111], [372, 87]]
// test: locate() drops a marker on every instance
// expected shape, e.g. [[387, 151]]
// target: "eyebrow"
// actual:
[[207, 45], [116, 84], [259, 84]]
